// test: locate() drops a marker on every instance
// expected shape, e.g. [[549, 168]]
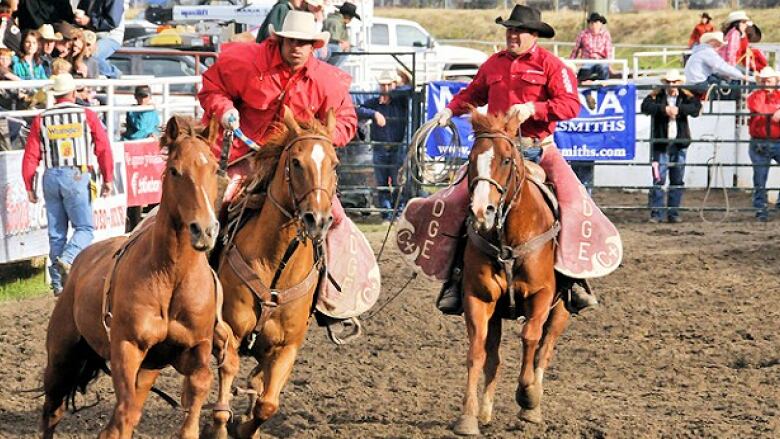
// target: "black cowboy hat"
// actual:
[[349, 10], [595, 16], [524, 17], [706, 15]]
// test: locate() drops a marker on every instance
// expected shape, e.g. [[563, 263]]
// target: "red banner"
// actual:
[[145, 166]]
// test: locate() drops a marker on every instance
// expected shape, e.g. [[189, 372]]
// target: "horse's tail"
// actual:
[[89, 366]]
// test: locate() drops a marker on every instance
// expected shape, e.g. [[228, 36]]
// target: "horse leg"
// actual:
[[556, 324], [227, 373], [492, 364], [477, 314], [126, 358], [255, 382], [529, 388], [276, 371], [197, 382]]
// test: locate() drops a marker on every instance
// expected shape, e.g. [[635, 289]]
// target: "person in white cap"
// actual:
[[669, 108], [705, 67], [250, 84], [62, 137], [733, 30], [764, 106]]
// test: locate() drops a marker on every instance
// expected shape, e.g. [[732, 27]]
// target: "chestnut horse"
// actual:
[[272, 264], [511, 228], [158, 305]]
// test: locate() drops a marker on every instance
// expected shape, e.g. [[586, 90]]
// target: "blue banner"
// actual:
[[606, 132]]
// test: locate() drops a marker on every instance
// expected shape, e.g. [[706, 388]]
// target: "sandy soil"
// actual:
[[685, 345]]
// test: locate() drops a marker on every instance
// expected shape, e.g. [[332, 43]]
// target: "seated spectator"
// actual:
[[734, 30], [9, 33], [751, 57], [60, 66], [107, 19], [764, 104], [77, 55], [595, 42], [28, 65], [669, 108], [390, 114], [32, 14], [142, 124], [90, 45], [706, 68], [704, 26], [6, 57], [47, 43]]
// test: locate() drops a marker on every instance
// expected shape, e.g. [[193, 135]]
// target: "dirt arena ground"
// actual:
[[685, 344]]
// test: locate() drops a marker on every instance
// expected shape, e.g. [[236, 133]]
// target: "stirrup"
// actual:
[[351, 327]]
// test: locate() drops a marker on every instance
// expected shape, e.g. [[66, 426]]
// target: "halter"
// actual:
[[290, 189]]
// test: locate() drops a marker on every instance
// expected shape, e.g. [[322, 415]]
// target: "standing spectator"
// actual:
[[336, 24], [390, 114], [704, 26], [751, 57], [28, 65], [106, 19], [9, 33], [142, 124], [64, 148], [276, 16], [595, 42], [33, 14], [669, 108], [705, 67], [734, 30], [764, 105], [47, 42]]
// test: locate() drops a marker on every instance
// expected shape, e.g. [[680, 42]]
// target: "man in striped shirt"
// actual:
[[65, 136]]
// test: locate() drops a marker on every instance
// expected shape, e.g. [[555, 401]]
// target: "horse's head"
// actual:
[[190, 182], [495, 169], [308, 161]]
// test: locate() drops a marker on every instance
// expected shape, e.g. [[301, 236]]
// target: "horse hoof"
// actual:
[[211, 432], [466, 426], [534, 416]]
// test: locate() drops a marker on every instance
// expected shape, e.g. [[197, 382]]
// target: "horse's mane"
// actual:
[[488, 123], [265, 161]]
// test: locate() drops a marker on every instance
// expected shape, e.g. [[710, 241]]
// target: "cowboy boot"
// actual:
[[450, 300], [576, 294]]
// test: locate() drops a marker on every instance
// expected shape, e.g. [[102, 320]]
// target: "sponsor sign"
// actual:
[[145, 167]]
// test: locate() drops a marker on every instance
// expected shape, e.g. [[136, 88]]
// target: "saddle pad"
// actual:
[[589, 245], [351, 263], [428, 230]]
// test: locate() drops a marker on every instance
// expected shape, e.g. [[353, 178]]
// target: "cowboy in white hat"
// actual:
[[669, 108], [279, 11], [64, 149], [48, 41], [733, 30], [250, 83], [764, 128], [706, 67]]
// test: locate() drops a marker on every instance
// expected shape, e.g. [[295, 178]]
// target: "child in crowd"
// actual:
[[142, 124], [28, 65]]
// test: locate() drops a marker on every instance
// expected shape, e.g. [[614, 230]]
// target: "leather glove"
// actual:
[[443, 117], [522, 111], [230, 119]]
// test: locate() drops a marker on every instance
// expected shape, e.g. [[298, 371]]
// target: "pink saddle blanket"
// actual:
[[353, 267], [589, 245]]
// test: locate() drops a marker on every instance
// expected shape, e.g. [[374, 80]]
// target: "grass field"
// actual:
[[19, 280]]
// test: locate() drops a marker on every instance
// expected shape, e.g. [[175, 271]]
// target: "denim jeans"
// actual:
[[66, 192], [105, 48], [667, 162], [387, 161], [584, 172], [721, 90], [593, 71], [762, 152]]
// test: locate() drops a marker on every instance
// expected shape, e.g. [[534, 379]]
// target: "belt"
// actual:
[[528, 142]]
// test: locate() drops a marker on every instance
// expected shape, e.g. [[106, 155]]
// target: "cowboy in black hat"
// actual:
[[527, 82], [595, 42], [336, 24]]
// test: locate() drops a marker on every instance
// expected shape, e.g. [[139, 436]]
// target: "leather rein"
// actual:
[[270, 297], [504, 254]]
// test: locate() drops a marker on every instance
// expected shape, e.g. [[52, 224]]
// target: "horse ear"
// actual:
[[330, 121], [172, 131], [211, 131], [290, 122], [512, 124]]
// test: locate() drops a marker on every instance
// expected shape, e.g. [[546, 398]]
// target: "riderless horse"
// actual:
[[145, 301]]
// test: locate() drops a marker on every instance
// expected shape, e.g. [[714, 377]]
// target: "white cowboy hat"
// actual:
[[673, 76], [387, 77], [736, 16], [63, 84], [712, 36], [300, 25], [767, 72], [47, 33]]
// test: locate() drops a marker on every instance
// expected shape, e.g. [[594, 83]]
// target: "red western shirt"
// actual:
[[33, 149], [254, 79], [699, 30], [535, 76], [765, 102]]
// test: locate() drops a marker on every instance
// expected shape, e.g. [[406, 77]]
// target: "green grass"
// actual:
[[20, 280]]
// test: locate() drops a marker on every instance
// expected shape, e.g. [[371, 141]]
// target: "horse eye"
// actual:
[[174, 172], [296, 163], [507, 161]]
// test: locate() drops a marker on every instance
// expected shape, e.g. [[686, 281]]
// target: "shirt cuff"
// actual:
[[540, 111]]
